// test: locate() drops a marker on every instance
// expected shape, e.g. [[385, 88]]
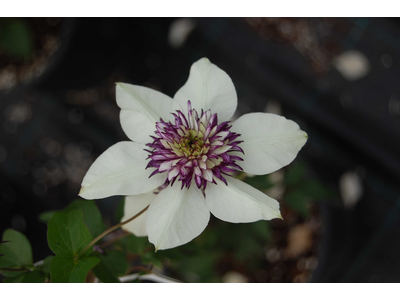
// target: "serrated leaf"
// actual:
[[67, 234], [17, 252], [45, 217], [91, 215], [63, 268]]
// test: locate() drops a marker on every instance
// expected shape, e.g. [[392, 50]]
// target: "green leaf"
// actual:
[[203, 265], [45, 217], [112, 265], [115, 262], [119, 212], [17, 252], [259, 182], [91, 215], [46, 264], [63, 268], [150, 258], [15, 38], [36, 276], [134, 244], [67, 234], [17, 278], [316, 190], [298, 201], [294, 174], [262, 230], [103, 273]]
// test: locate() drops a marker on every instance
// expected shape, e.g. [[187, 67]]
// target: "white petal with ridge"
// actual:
[[141, 108], [208, 87], [120, 170], [176, 216], [239, 202], [270, 142]]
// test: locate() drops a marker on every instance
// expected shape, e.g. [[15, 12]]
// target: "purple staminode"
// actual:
[[194, 147]]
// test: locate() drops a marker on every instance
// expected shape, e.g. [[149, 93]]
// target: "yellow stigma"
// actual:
[[191, 145]]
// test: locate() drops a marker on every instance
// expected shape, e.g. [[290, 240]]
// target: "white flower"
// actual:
[[182, 155]]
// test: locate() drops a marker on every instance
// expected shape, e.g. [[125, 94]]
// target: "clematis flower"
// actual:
[[182, 156]]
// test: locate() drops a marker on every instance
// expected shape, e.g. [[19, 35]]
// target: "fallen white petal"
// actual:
[[208, 87], [133, 205], [239, 202], [120, 170], [176, 216], [270, 142], [141, 108]]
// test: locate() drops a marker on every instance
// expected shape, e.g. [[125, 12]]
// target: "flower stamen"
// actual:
[[194, 148]]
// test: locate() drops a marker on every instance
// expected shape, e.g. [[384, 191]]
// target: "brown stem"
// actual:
[[120, 236], [111, 230]]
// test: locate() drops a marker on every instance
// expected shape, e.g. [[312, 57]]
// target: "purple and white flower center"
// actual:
[[194, 147]]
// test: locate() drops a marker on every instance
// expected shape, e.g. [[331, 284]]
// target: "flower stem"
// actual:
[[111, 230]]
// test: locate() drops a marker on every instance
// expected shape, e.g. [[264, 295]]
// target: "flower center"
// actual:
[[194, 148]]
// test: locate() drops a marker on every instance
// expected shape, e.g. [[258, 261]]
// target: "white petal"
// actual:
[[208, 87], [120, 170], [270, 142], [239, 202], [141, 108], [176, 216], [133, 205]]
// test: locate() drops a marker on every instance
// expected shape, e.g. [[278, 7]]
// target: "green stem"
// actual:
[[17, 269], [111, 230]]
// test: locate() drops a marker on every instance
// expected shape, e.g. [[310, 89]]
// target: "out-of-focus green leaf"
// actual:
[[67, 233], [298, 201], [103, 273], [64, 268], [13, 275], [316, 190], [115, 262], [15, 38], [112, 265], [91, 215], [294, 175], [36, 276], [259, 182], [119, 212], [151, 258], [262, 230], [17, 278], [17, 252], [201, 265], [134, 244], [45, 217], [46, 264]]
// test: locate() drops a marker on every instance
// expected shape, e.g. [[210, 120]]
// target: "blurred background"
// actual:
[[338, 78]]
